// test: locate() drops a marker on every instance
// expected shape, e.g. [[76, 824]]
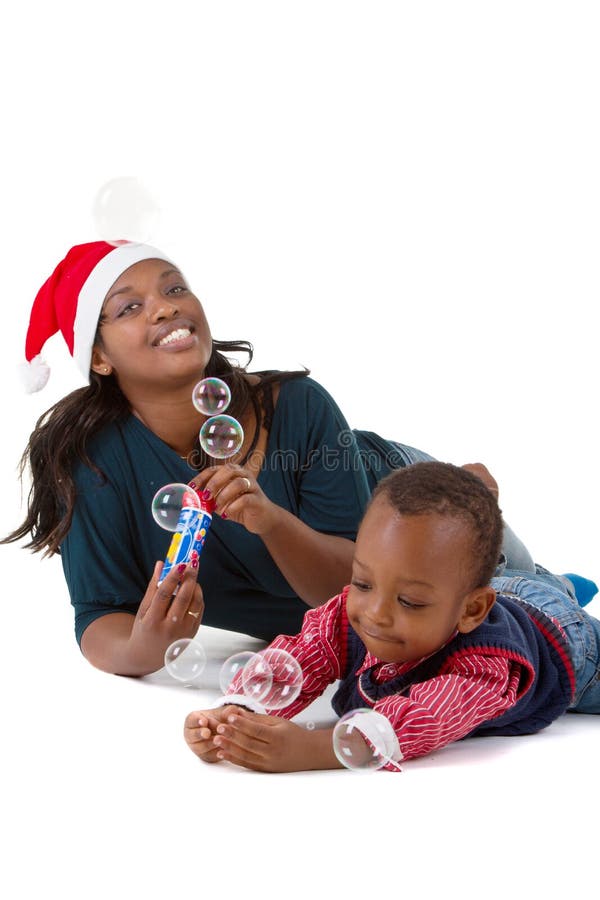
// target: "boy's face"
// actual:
[[412, 583]]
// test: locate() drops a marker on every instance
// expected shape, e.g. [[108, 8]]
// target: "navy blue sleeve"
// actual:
[[98, 554], [109, 552]]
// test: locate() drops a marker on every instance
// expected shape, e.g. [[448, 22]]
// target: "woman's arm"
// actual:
[[105, 644], [315, 565]]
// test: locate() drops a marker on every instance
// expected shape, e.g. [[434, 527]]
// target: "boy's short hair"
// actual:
[[435, 487]]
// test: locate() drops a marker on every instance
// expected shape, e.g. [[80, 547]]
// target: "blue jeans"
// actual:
[[515, 553], [554, 594]]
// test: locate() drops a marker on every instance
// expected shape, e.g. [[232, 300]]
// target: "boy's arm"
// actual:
[[435, 713], [317, 649], [250, 739], [448, 707]]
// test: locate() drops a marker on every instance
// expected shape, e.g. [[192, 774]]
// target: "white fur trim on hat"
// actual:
[[94, 290]]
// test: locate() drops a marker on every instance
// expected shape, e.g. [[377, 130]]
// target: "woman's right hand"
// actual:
[[163, 618]]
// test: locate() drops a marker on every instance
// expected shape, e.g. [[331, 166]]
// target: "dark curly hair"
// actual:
[[62, 435], [445, 489]]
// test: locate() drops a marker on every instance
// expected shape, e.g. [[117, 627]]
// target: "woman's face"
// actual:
[[153, 331]]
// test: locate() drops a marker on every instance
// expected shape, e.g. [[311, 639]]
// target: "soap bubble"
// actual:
[[364, 739], [273, 677], [257, 678], [221, 436], [211, 396], [232, 667], [124, 210], [168, 502], [185, 660]]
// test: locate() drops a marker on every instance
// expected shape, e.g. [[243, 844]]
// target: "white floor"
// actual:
[[404, 198]]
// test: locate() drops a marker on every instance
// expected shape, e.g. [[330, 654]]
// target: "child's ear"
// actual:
[[475, 608]]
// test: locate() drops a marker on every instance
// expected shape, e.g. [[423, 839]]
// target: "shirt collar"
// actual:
[[373, 662]]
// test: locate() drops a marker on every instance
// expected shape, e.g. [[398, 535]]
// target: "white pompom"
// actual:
[[34, 374]]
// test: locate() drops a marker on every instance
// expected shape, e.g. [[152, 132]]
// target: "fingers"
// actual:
[[226, 484], [242, 753], [250, 728], [199, 738], [199, 725], [160, 595], [188, 598], [244, 739], [196, 607], [201, 479], [199, 730], [239, 488], [150, 590], [210, 718], [170, 601]]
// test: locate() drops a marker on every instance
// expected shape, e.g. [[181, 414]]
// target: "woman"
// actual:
[[288, 504]]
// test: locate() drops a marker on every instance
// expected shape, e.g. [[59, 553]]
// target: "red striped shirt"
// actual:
[[434, 713]]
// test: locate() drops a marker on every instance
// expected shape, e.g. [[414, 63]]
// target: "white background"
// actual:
[[404, 198]]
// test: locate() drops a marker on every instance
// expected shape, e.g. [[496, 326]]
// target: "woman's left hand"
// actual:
[[238, 497]]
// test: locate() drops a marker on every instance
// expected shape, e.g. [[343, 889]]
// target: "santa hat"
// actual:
[[70, 301]]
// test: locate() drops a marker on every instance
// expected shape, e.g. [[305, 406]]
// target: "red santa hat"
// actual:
[[70, 301]]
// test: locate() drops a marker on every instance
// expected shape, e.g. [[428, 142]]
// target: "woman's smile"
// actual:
[[178, 334]]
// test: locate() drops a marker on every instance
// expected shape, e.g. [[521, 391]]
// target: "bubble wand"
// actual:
[[193, 523]]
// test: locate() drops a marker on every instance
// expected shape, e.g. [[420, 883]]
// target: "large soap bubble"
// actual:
[[273, 678], [168, 502], [211, 396], [124, 210], [232, 667], [221, 436], [364, 739], [185, 660]]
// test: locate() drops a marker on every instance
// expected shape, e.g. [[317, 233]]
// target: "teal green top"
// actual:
[[315, 467]]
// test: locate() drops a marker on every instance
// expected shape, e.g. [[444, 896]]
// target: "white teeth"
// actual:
[[176, 335]]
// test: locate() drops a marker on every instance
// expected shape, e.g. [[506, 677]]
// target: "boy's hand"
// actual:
[[259, 742], [201, 727]]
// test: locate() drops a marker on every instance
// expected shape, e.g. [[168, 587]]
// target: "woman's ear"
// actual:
[[476, 608], [100, 363]]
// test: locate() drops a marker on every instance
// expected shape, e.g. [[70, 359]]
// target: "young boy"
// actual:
[[425, 636]]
